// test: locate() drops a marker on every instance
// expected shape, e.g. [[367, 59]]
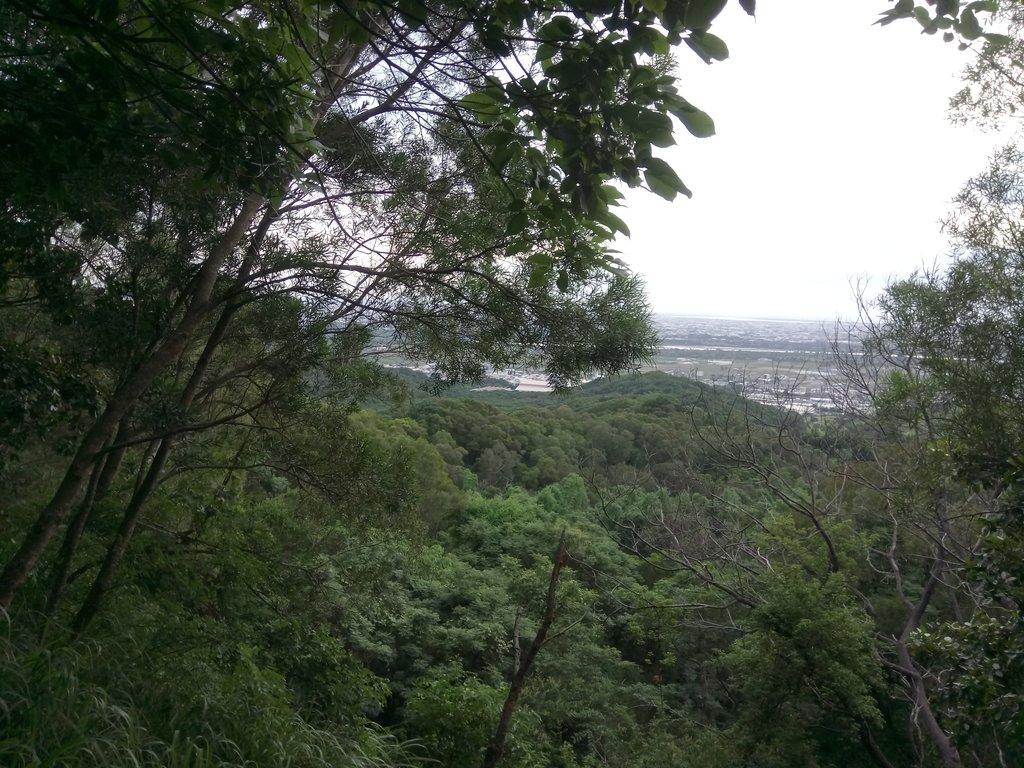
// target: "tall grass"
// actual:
[[72, 703]]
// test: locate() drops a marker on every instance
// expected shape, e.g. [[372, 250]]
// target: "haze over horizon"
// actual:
[[740, 316]]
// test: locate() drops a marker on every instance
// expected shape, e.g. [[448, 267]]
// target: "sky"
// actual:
[[833, 165]]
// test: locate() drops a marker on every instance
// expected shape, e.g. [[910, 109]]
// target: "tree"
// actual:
[[957, 21], [961, 325], [859, 504], [962, 329], [347, 155]]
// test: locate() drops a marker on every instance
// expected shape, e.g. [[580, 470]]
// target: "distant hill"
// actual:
[[654, 382]]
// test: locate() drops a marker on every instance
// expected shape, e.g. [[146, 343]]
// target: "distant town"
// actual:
[[771, 361], [783, 363]]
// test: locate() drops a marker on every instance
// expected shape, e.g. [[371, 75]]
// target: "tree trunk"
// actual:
[[496, 747], [102, 477], [117, 548], [24, 561], [72, 537], [148, 483], [114, 457], [872, 746], [948, 753]]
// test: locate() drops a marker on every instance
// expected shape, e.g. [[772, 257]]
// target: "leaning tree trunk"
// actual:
[[119, 545], [151, 479], [949, 756], [496, 747], [72, 538], [102, 478], [25, 560], [872, 747]]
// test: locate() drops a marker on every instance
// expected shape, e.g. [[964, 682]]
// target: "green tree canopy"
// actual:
[[441, 174]]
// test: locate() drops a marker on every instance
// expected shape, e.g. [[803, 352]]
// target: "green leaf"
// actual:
[[517, 222], [536, 159], [482, 104], [613, 222], [697, 122], [996, 39], [593, 203], [618, 271], [700, 13], [709, 47], [540, 260], [538, 276], [505, 153], [413, 12], [641, 76], [749, 6], [343, 27], [559, 29], [649, 125], [498, 138], [650, 41], [563, 281], [546, 52], [968, 26], [493, 37], [888, 17], [609, 193], [663, 180]]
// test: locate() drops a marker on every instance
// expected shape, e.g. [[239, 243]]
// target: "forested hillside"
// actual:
[[231, 537], [737, 586]]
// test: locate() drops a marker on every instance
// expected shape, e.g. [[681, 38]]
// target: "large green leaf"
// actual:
[[649, 125], [709, 47], [559, 29], [613, 222], [663, 180], [482, 104], [700, 13], [517, 222], [538, 276], [697, 122]]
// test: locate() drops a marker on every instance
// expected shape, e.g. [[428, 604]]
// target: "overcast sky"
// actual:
[[834, 163]]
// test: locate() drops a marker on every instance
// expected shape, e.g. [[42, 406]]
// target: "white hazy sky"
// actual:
[[834, 162]]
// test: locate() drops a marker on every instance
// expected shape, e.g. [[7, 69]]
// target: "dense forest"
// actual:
[[231, 537]]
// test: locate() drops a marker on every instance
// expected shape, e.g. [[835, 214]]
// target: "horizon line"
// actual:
[[738, 316]]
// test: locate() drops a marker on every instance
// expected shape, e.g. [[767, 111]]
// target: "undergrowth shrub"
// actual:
[[66, 703]]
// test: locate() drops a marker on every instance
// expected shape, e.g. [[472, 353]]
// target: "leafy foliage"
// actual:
[[214, 216]]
